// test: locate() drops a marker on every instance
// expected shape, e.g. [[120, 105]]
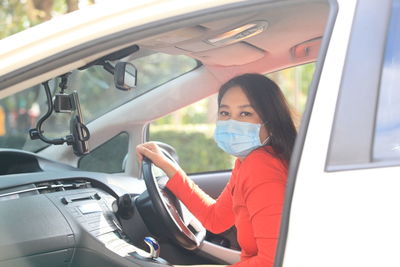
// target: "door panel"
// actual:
[[224, 245], [212, 183], [346, 215]]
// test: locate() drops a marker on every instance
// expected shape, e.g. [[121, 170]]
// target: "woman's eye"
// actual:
[[223, 113], [245, 114]]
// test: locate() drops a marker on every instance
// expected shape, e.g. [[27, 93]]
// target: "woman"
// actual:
[[254, 124]]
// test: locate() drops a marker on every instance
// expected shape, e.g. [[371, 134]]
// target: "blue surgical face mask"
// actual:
[[238, 138]]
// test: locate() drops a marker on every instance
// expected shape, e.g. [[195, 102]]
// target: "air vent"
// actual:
[[43, 188], [63, 185]]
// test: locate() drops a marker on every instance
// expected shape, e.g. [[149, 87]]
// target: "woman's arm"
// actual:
[[200, 265], [216, 215]]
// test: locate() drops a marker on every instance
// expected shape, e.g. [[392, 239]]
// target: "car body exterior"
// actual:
[[342, 190]]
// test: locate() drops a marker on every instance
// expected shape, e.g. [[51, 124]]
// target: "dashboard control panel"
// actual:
[[92, 210]]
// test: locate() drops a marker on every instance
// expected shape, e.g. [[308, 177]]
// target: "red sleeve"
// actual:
[[216, 215], [263, 189]]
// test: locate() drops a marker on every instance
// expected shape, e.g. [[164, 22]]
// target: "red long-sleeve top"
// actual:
[[252, 201]]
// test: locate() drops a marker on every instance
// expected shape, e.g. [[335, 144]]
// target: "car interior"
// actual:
[[60, 203]]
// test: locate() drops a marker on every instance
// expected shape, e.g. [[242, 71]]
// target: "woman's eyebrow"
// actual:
[[241, 106], [246, 106]]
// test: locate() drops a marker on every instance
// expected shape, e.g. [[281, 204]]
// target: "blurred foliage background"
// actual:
[[17, 15], [189, 130], [20, 110]]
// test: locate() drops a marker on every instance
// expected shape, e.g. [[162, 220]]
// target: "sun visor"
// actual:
[[195, 46], [230, 55]]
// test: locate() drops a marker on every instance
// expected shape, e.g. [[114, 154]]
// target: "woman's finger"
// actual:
[[148, 150], [138, 155], [141, 151]]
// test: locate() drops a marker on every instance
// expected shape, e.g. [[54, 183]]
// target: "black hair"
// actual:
[[268, 101]]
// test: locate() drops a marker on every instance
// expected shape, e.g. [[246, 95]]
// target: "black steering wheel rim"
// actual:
[[169, 214]]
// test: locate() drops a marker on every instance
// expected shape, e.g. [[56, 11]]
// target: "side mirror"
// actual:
[[125, 76]]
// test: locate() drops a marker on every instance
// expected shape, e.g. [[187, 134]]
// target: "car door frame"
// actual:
[[332, 176]]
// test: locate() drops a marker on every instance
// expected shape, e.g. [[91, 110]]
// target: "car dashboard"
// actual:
[[55, 215]]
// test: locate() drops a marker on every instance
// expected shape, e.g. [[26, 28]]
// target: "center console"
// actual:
[[89, 212]]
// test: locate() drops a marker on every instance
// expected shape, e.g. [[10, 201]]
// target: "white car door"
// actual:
[[343, 189]]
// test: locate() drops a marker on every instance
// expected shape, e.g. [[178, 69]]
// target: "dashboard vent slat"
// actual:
[[44, 188]]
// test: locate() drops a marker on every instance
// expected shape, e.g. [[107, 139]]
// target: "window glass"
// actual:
[[387, 132], [20, 112], [109, 157], [190, 130], [294, 83], [98, 94]]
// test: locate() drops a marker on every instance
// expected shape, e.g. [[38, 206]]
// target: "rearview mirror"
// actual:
[[125, 76]]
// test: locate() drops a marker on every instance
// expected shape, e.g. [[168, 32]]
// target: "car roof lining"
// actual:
[[272, 11], [310, 17]]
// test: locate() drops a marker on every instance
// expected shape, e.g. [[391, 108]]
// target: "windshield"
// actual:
[[97, 94]]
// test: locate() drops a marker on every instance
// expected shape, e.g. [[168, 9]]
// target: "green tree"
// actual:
[[18, 15]]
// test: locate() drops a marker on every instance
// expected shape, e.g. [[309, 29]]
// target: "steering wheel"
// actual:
[[163, 213]]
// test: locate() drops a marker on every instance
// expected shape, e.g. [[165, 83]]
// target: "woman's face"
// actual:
[[236, 106]]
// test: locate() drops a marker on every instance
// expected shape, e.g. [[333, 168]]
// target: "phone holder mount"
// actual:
[[64, 103]]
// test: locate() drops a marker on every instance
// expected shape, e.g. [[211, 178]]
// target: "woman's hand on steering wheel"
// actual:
[[179, 223], [152, 151]]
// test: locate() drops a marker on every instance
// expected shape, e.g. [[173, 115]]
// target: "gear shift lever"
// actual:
[[154, 252], [154, 247]]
